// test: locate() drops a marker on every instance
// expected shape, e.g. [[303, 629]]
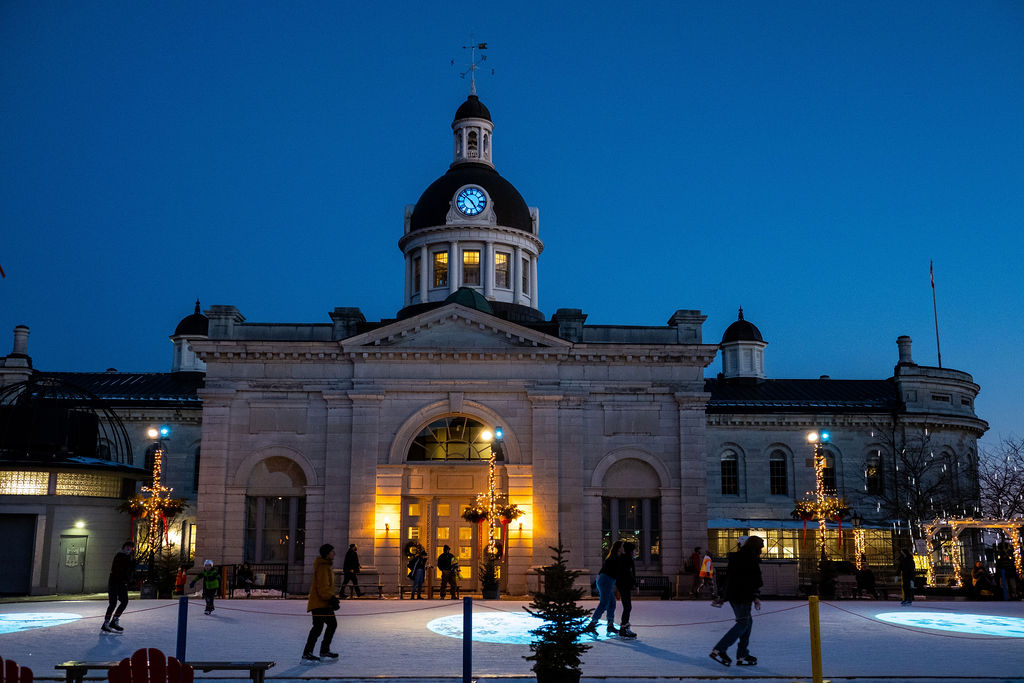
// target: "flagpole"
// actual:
[[935, 311]]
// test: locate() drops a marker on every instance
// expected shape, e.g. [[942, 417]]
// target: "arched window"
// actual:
[[453, 437], [778, 480], [730, 473], [874, 482], [275, 512], [472, 145]]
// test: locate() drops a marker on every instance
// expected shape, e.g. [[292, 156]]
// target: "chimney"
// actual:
[[20, 341], [903, 342]]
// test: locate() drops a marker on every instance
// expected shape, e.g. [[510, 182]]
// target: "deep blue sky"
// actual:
[[804, 160]]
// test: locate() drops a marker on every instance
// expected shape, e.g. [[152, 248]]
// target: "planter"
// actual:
[[490, 593], [566, 676]]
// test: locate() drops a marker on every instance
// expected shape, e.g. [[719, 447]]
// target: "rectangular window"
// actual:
[[471, 267], [636, 520], [417, 272], [441, 269], [943, 398], [730, 478], [275, 529], [24, 483], [443, 533], [443, 509], [526, 276], [414, 509], [777, 478], [501, 274], [465, 534], [85, 484], [414, 533]]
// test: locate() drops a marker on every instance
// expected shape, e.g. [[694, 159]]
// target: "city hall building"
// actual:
[[379, 433]]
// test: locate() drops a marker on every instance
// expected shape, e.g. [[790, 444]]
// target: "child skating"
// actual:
[[211, 583]]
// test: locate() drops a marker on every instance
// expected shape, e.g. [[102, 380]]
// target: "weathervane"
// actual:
[[474, 63]]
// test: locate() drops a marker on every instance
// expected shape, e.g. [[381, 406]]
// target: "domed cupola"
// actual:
[[194, 326], [743, 350], [471, 228]]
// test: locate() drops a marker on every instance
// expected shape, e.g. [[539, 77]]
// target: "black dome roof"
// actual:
[[472, 108], [742, 330], [509, 205], [192, 325]]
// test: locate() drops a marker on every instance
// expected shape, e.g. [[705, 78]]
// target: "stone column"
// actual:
[[488, 270], [211, 496], [425, 269], [534, 287], [517, 275], [693, 500], [454, 272]]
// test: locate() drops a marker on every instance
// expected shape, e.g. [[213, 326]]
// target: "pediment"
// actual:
[[453, 328]]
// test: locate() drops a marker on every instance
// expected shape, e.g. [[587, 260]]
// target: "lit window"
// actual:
[[275, 528], [414, 533], [443, 533], [455, 437], [441, 269], [730, 474], [471, 267], [85, 484], [501, 274], [24, 483], [465, 534], [636, 520], [414, 509], [443, 509], [873, 481], [778, 481]]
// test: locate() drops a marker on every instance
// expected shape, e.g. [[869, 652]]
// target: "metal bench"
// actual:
[[656, 585], [75, 671]]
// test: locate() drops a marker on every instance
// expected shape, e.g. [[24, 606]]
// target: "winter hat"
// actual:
[[325, 550], [208, 563]]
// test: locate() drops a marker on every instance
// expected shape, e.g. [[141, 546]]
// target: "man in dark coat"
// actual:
[[350, 567], [122, 569], [744, 585], [445, 565], [905, 568]]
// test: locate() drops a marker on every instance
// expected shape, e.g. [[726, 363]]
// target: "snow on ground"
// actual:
[[390, 638]]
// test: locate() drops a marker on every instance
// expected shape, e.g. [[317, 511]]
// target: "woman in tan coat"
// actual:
[[321, 603]]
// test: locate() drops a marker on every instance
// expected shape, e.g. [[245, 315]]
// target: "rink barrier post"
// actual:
[[467, 639], [815, 628], [179, 651]]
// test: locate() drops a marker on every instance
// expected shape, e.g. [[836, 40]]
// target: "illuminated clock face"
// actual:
[[471, 201]]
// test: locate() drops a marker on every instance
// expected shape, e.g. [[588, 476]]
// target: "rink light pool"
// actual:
[[978, 624], [12, 623], [511, 628]]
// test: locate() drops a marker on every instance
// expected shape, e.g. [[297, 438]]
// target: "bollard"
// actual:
[[179, 652], [467, 639], [812, 608]]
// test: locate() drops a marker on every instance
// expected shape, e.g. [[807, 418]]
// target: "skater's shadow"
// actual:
[[638, 646]]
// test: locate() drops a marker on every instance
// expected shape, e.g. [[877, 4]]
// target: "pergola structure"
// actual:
[[958, 526]]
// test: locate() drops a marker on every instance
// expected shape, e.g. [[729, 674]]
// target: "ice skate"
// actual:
[[309, 658], [116, 625], [611, 630], [720, 657], [106, 628], [746, 660], [324, 654], [626, 632]]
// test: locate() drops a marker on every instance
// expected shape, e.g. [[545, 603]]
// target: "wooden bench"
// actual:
[[75, 670], [266, 576], [657, 585]]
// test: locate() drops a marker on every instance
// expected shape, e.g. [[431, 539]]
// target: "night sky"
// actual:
[[804, 160]]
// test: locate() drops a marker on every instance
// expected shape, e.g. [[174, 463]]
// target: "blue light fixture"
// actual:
[[165, 431], [498, 433], [825, 436]]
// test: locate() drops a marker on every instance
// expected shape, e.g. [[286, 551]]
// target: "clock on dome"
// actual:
[[471, 201]]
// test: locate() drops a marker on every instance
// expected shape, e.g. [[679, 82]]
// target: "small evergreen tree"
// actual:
[[557, 650]]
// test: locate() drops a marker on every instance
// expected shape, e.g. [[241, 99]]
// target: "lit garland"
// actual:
[[858, 548], [157, 505], [824, 506], [1009, 526]]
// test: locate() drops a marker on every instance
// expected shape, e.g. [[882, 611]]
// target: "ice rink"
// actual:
[[413, 640]]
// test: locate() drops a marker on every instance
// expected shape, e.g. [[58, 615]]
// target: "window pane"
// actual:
[[442, 533], [465, 534], [526, 276], [471, 267], [414, 509], [441, 269], [501, 277], [778, 481], [276, 531], [417, 271], [443, 509], [730, 474]]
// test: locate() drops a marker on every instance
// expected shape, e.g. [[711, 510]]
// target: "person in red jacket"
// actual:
[[122, 569]]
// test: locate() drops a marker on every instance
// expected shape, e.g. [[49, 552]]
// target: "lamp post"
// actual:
[[157, 492]]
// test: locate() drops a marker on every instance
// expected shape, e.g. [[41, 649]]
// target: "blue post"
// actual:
[[182, 628], [467, 639]]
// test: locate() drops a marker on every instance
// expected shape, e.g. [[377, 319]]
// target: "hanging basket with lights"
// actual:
[[139, 507], [474, 514]]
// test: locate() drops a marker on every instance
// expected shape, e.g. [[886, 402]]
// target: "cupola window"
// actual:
[[526, 276], [417, 271], [501, 274], [441, 269], [471, 267], [472, 145]]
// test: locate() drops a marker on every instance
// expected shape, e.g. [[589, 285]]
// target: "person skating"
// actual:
[[446, 565], [606, 589], [211, 583], [122, 569], [744, 574], [351, 568], [321, 604], [625, 580]]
